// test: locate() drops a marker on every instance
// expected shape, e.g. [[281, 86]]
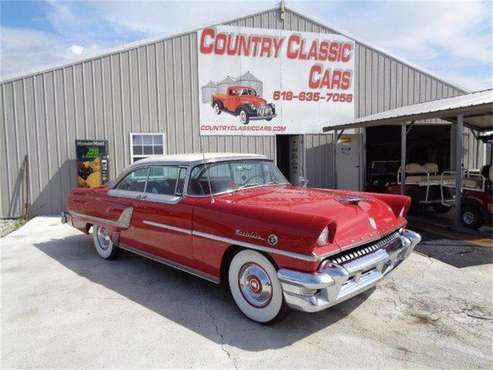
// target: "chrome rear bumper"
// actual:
[[65, 217], [335, 283]]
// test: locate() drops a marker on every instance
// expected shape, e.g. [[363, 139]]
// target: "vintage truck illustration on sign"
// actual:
[[242, 101]]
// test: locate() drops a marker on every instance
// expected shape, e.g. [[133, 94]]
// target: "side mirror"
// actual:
[[303, 181]]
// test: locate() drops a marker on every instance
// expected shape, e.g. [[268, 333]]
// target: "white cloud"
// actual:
[[26, 50], [449, 38], [452, 39], [472, 82], [165, 18], [77, 49]]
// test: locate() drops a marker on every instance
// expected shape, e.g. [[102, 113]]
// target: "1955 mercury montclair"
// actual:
[[234, 218]]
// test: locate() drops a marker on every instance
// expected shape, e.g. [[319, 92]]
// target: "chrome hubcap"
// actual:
[[216, 108], [242, 116], [104, 239], [255, 285], [468, 218]]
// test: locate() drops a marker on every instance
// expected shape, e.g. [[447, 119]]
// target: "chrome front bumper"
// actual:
[[267, 116], [335, 283]]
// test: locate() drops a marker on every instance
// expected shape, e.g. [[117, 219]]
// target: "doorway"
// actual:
[[348, 157], [289, 156]]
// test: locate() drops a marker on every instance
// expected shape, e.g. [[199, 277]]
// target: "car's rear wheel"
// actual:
[[471, 217], [255, 287], [244, 116], [104, 244], [217, 108]]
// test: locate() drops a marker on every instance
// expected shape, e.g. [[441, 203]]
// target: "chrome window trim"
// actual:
[[189, 166], [170, 263]]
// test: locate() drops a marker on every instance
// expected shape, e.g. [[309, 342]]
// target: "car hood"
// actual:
[[253, 100], [353, 217]]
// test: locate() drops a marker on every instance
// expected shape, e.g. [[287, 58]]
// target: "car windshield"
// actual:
[[233, 175], [248, 92]]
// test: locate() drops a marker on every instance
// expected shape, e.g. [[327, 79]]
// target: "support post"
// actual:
[[459, 137], [403, 156], [335, 158]]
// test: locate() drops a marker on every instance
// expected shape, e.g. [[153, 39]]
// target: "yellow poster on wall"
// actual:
[[92, 163]]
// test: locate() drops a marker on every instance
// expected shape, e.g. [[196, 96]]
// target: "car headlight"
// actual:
[[403, 210], [253, 107], [323, 237]]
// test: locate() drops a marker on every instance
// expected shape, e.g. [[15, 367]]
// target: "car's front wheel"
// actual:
[[104, 244], [244, 116], [255, 287]]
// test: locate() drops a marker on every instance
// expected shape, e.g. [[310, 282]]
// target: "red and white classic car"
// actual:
[[235, 219]]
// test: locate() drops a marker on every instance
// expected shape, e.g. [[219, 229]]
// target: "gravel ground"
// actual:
[[64, 307], [7, 226]]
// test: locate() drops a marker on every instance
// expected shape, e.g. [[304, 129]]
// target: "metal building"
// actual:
[[152, 87]]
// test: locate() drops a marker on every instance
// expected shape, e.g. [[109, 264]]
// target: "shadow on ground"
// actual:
[[187, 300], [457, 253]]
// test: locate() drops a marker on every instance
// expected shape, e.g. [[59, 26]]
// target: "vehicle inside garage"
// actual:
[[426, 143]]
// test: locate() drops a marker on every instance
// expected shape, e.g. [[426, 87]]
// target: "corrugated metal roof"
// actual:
[[477, 108]]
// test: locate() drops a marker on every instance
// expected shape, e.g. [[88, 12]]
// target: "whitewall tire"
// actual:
[[255, 287], [103, 243]]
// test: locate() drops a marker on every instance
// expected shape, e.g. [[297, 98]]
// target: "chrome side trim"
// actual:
[[169, 263], [299, 256], [161, 198], [123, 221], [200, 234], [168, 227], [125, 193]]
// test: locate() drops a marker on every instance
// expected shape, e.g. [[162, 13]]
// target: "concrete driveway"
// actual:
[[63, 306]]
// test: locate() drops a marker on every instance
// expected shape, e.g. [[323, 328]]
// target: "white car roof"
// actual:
[[197, 158]]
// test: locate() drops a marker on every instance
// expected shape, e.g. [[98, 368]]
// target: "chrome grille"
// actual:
[[362, 250], [265, 110]]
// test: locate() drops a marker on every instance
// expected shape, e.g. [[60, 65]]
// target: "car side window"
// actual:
[[216, 176], [181, 181], [134, 181], [165, 180]]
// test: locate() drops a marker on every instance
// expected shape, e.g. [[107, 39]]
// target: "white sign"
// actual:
[[266, 82]]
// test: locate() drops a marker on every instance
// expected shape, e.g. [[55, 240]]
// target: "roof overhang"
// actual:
[[476, 108]]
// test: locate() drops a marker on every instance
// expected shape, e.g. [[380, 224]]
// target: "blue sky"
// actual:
[[452, 39]]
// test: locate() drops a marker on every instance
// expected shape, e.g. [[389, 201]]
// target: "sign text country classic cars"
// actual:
[[265, 82]]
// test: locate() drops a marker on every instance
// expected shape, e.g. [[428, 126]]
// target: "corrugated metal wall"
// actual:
[[154, 88]]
